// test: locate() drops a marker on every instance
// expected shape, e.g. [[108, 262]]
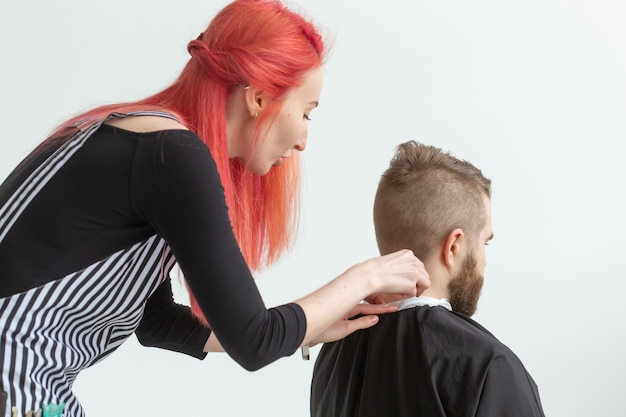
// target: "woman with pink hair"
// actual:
[[204, 174]]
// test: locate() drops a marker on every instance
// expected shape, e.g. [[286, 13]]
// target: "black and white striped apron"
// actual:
[[51, 332]]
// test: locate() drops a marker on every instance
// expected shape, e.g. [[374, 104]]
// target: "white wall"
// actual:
[[533, 92]]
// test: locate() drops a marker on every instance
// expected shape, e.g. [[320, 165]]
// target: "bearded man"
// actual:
[[429, 358]]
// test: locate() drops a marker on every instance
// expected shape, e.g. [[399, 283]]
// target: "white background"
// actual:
[[533, 92]]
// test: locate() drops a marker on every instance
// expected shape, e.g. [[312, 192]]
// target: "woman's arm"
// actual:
[[328, 309], [168, 325]]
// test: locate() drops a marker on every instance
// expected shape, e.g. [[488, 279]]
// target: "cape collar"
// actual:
[[421, 301]]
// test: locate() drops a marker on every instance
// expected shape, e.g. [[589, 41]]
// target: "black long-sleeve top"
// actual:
[[88, 235]]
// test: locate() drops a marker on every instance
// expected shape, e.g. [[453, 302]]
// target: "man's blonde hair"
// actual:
[[424, 195]]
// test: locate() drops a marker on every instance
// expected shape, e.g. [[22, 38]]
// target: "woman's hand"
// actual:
[[347, 324], [399, 273], [327, 310]]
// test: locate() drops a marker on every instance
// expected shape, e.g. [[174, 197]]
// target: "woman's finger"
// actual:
[[371, 309], [360, 323]]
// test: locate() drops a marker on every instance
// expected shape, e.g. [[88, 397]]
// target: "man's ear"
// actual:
[[452, 248]]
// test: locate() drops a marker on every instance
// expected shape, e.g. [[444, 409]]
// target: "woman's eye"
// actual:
[[307, 117]]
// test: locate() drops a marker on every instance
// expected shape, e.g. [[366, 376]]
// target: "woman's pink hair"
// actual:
[[249, 42]]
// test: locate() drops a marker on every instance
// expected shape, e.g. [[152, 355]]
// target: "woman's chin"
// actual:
[[261, 170]]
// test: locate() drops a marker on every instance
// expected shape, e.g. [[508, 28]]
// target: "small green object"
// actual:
[[53, 410]]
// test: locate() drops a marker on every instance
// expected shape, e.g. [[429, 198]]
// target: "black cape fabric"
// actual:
[[423, 361]]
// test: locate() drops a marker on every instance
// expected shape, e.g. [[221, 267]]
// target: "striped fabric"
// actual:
[[49, 333]]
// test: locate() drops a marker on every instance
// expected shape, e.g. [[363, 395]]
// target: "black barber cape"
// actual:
[[422, 361]]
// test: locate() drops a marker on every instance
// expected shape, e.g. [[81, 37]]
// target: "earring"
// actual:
[[254, 114]]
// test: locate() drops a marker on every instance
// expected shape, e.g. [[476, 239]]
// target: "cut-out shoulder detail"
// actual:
[[146, 124]]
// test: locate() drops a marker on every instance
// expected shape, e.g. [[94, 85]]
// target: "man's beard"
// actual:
[[465, 287]]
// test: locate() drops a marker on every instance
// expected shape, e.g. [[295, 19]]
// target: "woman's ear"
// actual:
[[452, 248], [255, 100]]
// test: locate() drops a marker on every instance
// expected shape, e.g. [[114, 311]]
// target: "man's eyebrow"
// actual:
[[490, 237], [314, 103]]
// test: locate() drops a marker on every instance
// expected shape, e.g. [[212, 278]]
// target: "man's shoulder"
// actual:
[[438, 333], [440, 327]]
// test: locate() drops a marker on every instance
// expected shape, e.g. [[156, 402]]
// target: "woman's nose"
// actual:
[[301, 144]]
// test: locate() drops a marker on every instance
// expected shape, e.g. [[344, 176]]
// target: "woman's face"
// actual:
[[289, 129]]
